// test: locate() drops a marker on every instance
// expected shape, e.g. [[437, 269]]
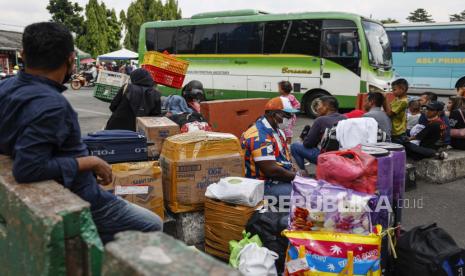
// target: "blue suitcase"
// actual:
[[115, 146]]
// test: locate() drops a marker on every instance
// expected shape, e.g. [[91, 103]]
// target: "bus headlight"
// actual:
[[372, 88]]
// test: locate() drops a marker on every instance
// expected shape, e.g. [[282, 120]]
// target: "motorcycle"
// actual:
[[82, 79]]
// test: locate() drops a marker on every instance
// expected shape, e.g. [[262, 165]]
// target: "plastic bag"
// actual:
[[235, 247], [349, 168], [237, 190], [255, 260], [320, 206], [327, 253]]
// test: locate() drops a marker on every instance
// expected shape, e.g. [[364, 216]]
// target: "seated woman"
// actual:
[[136, 99], [457, 123]]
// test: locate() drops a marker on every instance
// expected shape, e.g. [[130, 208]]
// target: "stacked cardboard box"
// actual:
[[139, 183], [192, 161], [224, 222], [156, 129]]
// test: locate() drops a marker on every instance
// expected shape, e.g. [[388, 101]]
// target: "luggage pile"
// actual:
[[108, 84], [165, 68]]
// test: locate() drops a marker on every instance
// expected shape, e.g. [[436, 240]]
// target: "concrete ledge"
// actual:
[[145, 254], [186, 227], [442, 171], [45, 229]]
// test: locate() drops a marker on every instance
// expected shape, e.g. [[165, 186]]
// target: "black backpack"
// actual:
[[428, 250], [268, 226]]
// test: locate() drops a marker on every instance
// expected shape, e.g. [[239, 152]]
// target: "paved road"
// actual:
[[444, 204]]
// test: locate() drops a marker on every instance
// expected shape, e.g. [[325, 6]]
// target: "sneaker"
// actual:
[[441, 155]]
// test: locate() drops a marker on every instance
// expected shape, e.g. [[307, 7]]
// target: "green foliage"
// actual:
[[141, 11], [420, 15], [457, 17], [389, 20], [102, 30], [67, 13]]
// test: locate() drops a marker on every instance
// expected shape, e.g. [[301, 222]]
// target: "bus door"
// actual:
[[340, 62]]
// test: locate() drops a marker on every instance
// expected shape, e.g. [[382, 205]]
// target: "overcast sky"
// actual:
[[23, 12]]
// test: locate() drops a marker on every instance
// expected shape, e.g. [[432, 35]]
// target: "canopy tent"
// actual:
[[122, 54], [81, 54]]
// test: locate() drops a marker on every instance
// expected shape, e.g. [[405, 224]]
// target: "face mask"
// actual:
[[69, 73], [285, 124]]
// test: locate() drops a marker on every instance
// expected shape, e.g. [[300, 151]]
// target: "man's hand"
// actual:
[[101, 168]]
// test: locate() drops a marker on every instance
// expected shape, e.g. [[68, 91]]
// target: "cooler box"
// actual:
[[192, 161], [116, 146], [233, 116]]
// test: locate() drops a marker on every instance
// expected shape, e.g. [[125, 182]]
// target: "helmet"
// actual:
[[193, 90]]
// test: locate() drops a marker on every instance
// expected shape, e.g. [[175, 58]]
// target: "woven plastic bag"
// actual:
[[328, 253]]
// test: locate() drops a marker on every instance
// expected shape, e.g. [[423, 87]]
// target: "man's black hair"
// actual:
[[401, 82], [431, 96], [331, 102], [286, 86], [377, 98], [47, 45]]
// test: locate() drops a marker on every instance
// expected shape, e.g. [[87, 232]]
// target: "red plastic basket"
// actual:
[[165, 77]]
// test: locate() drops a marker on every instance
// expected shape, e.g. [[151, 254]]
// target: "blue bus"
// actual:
[[431, 56]]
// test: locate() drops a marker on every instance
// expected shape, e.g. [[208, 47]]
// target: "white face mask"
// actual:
[[285, 124]]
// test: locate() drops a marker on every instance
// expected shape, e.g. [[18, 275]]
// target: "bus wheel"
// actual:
[[311, 102]]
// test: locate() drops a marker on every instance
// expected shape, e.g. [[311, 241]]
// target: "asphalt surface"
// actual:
[[444, 204]]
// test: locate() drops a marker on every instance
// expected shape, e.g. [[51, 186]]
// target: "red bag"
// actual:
[[350, 168]]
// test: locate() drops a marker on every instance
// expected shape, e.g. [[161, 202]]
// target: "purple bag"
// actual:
[[321, 206]]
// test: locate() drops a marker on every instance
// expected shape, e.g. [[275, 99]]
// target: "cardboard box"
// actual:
[[233, 116], [224, 222], [141, 184], [192, 161], [156, 129]]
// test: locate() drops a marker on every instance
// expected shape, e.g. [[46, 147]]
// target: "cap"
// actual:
[[280, 103], [435, 105]]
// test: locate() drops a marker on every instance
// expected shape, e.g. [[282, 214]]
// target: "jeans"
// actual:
[[418, 152], [300, 153], [120, 215], [274, 190]]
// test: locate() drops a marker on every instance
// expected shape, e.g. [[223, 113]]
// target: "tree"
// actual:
[[141, 11], [457, 17], [67, 13], [114, 31], [420, 15], [95, 37], [389, 20]]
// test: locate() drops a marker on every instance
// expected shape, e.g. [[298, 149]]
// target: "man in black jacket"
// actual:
[[137, 99]]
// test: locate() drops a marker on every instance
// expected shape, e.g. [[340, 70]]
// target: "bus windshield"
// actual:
[[379, 49]]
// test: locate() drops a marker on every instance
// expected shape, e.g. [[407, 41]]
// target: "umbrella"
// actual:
[[87, 60]]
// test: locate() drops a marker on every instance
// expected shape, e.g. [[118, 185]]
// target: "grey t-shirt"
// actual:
[[384, 123]]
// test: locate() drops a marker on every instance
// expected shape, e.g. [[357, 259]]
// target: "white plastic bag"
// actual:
[[257, 261], [237, 190]]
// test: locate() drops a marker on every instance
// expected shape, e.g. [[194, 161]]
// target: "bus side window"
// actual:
[[205, 39], [304, 37], [185, 40], [340, 44], [150, 39], [275, 34], [166, 38], [395, 38]]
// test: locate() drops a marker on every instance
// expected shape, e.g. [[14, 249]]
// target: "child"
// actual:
[[413, 115], [285, 89], [397, 110]]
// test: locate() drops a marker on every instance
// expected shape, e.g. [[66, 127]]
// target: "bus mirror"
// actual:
[[404, 41]]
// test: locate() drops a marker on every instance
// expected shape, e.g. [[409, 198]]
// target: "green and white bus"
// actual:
[[244, 54]]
